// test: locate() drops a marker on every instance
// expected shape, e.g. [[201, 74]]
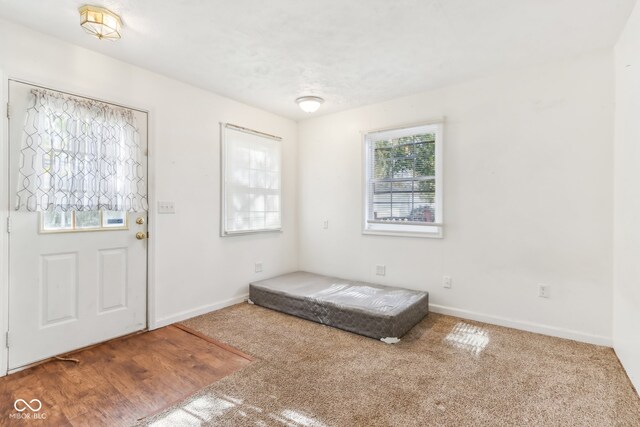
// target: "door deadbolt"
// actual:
[[140, 220]]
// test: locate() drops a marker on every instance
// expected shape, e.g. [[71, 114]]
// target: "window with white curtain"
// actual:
[[80, 164], [403, 181], [79, 155], [251, 181]]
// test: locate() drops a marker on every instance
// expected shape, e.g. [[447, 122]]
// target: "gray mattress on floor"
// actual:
[[372, 310]]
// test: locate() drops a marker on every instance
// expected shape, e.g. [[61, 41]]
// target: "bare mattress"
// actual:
[[376, 311]]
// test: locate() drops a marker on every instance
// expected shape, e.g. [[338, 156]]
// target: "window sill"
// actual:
[[403, 231], [244, 233]]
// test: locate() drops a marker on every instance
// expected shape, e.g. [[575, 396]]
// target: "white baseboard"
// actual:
[[188, 314], [464, 314], [525, 326]]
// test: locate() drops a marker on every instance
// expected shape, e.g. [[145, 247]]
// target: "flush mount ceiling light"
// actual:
[[100, 22], [309, 104]]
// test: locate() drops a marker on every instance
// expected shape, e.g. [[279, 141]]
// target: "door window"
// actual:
[[57, 222]]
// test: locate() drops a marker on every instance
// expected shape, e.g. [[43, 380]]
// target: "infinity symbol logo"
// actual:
[[21, 405]]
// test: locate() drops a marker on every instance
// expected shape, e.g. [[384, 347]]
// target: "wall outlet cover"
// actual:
[[381, 270], [544, 291], [446, 282]]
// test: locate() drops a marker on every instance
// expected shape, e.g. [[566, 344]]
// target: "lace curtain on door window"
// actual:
[[80, 155]]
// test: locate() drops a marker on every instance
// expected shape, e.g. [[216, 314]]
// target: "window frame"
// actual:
[[428, 230], [223, 189]]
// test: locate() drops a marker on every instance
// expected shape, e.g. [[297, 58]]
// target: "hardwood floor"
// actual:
[[119, 382]]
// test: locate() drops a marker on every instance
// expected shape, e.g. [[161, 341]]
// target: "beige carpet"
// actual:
[[445, 372]]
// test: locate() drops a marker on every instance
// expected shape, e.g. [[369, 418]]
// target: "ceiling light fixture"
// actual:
[[100, 22], [309, 104]]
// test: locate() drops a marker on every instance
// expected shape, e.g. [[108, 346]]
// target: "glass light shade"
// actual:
[[309, 104], [100, 22]]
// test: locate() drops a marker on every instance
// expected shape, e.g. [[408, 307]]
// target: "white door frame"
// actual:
[[5, 207]]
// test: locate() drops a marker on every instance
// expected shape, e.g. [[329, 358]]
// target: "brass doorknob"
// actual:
[[141, 235], [140, 220]]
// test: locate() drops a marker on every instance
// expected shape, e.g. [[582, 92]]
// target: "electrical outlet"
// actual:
[[258, 267], [325, 224], [544, 291], [446, 282], [381, 270], [166, 208]]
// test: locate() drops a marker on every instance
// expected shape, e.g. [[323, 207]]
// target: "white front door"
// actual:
[[75, 278]]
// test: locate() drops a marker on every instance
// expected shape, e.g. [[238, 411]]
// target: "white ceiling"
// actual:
[[350, 52]]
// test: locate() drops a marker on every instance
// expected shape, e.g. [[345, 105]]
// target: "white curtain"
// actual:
[[252, 181], [81, 155]]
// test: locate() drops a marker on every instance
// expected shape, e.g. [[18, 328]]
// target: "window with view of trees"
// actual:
[[403, 180]]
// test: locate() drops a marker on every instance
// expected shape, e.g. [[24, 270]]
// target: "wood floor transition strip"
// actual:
[[214, 341]]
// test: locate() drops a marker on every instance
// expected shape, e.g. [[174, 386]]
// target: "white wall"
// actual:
[[626, 287], [528, 159], [528, 178], [195, 269]]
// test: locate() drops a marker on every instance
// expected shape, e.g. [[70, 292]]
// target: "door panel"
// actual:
[[68, 289], [59, 278], [112, 281]]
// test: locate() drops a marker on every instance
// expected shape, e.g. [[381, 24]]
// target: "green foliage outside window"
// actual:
[[404, 171]]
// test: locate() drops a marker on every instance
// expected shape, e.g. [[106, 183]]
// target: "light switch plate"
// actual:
[[166, 208]]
